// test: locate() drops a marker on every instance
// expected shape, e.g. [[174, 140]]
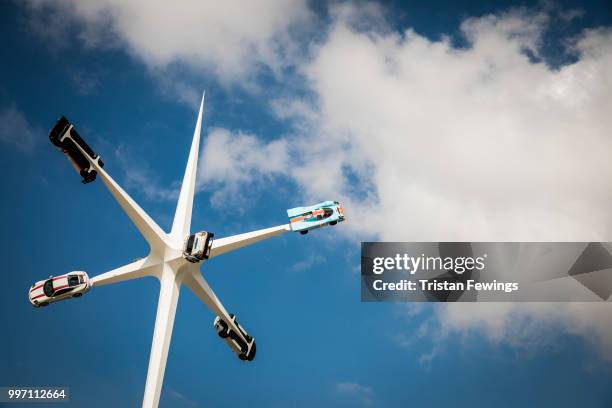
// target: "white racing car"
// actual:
[[197, 246], [54, 289]]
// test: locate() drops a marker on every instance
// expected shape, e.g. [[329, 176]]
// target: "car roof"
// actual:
[[292, 212]]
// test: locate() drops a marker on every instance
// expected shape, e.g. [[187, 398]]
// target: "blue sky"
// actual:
[[281, 137]]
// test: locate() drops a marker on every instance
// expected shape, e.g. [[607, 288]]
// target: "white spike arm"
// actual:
[[149, 229], [198, 285], [169, 289], [227, 244], [184, 207], [137, 269]]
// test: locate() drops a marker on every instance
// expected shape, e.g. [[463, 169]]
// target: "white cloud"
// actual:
[[531, 326], [230, 38], [470, 144], [233, 164], [15, 129], [140, 177], [85, 83], [307, 262], [476, 143], [363, 393], [429, 142], [180, 399]]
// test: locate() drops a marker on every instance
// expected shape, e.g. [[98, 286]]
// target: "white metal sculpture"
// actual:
[[165, 261]]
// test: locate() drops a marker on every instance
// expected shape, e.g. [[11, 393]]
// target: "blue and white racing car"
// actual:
[[303, 219]]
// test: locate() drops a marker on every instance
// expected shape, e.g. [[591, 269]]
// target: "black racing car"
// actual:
[[65, 137], [241, 343]]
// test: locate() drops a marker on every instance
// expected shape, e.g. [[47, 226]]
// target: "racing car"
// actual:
[[197, 246], [65, 137], [241, 343], [304, 219], [73, 284]]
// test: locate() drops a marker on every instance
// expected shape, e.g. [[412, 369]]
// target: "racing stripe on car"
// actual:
[[36, 287], [42, 284], [54, 290]]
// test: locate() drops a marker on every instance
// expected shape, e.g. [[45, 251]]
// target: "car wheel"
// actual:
[[333, 223], [43, 304], [251, 355], [85, 176], [76, 295], [303, 232]]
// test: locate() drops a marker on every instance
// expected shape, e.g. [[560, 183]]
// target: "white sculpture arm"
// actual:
[[149, 229], [198, 285], [184, 207], [227, 244], [133, 270]]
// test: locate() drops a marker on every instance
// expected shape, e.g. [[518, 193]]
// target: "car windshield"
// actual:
[[328, 212], [48, 288], [190, 243], [73, 280]]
